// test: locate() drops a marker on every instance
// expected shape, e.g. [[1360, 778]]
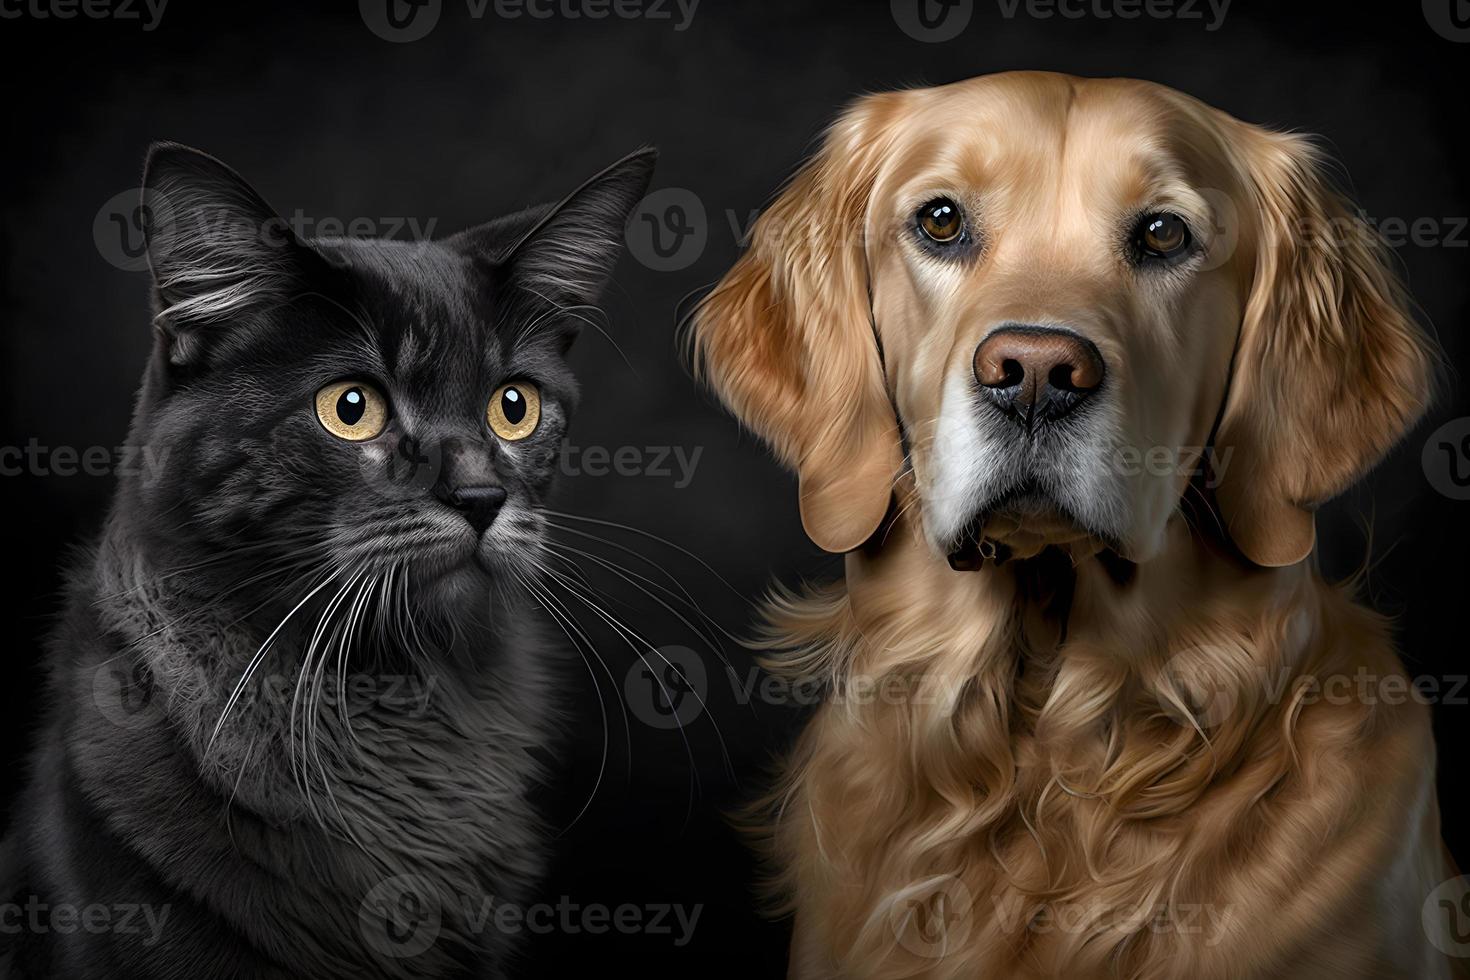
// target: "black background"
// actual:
[[489, 114]]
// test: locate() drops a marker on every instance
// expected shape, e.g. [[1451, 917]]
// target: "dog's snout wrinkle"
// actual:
[[1037, 373]]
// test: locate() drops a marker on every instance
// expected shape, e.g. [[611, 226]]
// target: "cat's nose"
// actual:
[[478, 504]]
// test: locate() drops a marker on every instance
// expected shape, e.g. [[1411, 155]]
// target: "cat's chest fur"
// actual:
[[375, 828]]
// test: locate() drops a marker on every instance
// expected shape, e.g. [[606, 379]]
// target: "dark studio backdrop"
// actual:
[[487, 112]]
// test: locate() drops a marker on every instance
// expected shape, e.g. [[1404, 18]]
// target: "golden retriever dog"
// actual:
[[1063, 366]]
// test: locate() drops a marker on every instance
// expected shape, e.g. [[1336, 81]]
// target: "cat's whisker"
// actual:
[[344, 638], [241, 770], [537, 595], [301, 692], [695, 787], [165, 575], [571, 619], [713, 645], [270, 571], [355, 619], [424, 649], [601, 522], [634, 578], [384, 620], [619, 624], [624, 573], [673, 580], [255, 662], [628, 636], [573, 311]]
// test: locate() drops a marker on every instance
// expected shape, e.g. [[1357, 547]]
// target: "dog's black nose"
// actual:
[[1037, 373], [478, 504]]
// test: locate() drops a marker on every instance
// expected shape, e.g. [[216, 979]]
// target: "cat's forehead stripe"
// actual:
[[420, 300]]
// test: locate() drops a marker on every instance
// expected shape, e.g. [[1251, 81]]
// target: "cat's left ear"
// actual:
[[567, 253], [218, 252]]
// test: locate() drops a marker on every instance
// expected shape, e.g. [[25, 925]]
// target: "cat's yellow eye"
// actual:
[[352, 410], [514, 410]]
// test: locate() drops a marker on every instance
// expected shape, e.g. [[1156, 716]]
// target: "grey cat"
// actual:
[[300, 685]]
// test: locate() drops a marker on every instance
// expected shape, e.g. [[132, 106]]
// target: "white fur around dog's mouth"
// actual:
[[987, 482]]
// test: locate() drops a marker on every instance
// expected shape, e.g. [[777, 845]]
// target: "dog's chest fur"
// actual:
[[1031, 809]]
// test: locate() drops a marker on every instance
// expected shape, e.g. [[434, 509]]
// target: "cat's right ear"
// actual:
[[567, 254], [218, 252]]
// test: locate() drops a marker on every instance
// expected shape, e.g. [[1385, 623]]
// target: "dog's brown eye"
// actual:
[[942, 220], [1163, 235]]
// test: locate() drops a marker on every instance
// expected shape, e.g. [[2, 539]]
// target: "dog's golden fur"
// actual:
[[1127, 754]]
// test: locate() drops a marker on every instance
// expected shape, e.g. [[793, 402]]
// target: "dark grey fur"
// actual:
[[287, 841]]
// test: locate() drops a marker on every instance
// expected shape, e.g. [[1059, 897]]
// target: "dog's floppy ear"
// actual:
[[787, 341], [1330, 368]]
